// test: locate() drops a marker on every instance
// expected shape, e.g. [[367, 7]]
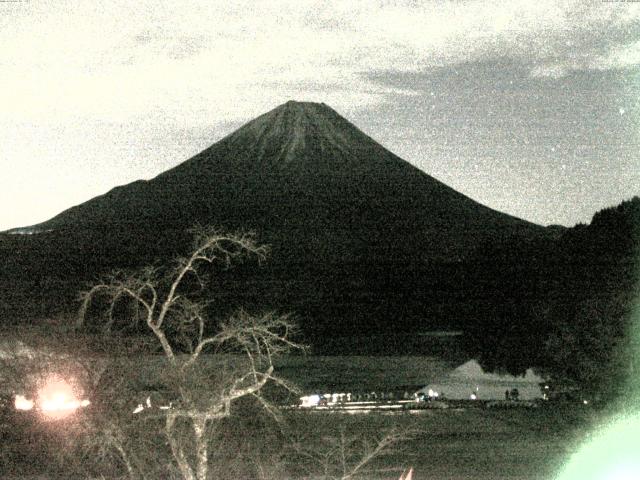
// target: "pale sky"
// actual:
[[529, 107]]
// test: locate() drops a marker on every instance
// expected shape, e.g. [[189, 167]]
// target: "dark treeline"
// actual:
[[558, 301], [567, 303]]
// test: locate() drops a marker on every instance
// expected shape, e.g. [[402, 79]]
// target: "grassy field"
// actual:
[[317, 374], [457, 443], [477, 444], [360, 373]]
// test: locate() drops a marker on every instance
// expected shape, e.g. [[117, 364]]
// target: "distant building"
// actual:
[[469, 381]]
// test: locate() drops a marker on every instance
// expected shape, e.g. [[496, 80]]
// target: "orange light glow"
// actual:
[[57, 399]]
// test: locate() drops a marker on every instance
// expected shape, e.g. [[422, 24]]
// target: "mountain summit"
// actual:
[[295, 126], [357, 234]]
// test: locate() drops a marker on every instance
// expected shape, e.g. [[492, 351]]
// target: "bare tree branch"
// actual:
[[175, 318], [345, 457]]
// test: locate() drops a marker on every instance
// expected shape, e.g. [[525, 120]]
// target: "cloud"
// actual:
[[618, 57], [550, 70], [125, 60]]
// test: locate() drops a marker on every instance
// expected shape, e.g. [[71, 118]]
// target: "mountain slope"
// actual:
[[302, 167], [361, 240]]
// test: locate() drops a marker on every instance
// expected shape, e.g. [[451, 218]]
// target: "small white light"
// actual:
[[310, 400], [473, 396], [139, 408], [23, 403]]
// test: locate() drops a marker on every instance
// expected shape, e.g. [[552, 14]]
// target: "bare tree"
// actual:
[[346, 457], [175, 429], [202, 392]]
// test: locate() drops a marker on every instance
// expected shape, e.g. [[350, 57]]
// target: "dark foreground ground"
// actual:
[[478, 443], [471, 443]]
